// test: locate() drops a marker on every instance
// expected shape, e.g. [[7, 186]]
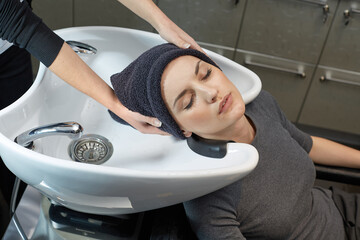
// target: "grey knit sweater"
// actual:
[[275, 201]]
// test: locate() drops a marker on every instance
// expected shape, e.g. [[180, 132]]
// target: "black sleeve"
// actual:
[[20, 26]]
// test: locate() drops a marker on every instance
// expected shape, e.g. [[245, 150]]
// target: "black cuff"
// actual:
[[20, 26], [45, 45]]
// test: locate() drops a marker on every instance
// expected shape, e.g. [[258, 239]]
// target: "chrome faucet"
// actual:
[[80, 47], [71, 129]]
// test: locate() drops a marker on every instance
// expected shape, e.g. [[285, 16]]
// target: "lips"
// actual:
[[225, 103]]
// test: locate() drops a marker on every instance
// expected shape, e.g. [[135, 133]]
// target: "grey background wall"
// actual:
[[71, 13], [306, 52]]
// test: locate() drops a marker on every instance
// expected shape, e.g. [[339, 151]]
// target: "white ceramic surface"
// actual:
[[145, 171]]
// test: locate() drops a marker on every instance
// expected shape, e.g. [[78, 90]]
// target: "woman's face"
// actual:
[[201, 98]]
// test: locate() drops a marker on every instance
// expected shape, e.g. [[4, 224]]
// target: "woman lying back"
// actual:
[[189, 94]]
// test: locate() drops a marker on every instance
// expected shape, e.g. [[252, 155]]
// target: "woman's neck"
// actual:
[[244, 131]]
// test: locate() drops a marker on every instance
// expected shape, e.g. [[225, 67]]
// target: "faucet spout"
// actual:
[[71, 129], [83, 48]]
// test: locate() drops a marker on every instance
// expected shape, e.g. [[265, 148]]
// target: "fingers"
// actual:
[[153, 121], [145, 124], [189, 43], [181, 43], [197, 47], [185, 45], [148, 129], [151, 126], [173, 34]]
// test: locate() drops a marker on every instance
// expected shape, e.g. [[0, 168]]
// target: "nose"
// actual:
[[208, 93]]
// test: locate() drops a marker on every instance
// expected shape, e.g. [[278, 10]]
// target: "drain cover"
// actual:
[[90, 148]]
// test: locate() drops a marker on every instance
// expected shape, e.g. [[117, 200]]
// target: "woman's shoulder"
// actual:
[[265, 103], [265, 97]]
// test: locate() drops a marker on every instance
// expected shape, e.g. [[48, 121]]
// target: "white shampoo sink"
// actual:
[[145, 171]]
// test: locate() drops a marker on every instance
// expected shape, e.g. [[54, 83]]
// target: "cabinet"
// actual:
[[333, 100], [292, 29], [214, 24], [342, 48], [281, 41], [285, 79]]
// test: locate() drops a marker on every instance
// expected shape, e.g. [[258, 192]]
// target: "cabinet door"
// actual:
[[106, 13], [333, 100], [286, 80], [292, 29], [342, 49], [215, 21]]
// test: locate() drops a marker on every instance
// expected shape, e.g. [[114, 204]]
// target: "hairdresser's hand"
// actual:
[[143, 124], [169, 31]]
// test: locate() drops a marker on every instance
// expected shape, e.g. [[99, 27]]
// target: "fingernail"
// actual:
[[157, 123], [187, 45]]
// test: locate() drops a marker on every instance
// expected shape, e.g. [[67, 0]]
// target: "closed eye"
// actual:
[[190, 102], [207, 74]]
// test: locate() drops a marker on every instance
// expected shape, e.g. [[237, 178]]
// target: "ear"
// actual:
[[186, 133]]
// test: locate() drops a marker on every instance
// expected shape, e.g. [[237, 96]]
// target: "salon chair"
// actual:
[[171, 222], [335, 174]]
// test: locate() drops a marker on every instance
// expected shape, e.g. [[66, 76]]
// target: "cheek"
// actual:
[[239, 108], [198, 119]]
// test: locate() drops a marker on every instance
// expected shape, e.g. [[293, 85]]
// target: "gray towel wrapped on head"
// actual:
[[138, 86]]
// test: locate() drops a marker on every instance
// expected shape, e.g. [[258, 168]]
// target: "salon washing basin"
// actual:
[[145, 171]]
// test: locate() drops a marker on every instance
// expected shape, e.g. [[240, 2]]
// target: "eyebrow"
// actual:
[[197, 67], [179, 96]]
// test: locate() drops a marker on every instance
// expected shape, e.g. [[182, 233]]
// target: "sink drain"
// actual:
[[90, 148]]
